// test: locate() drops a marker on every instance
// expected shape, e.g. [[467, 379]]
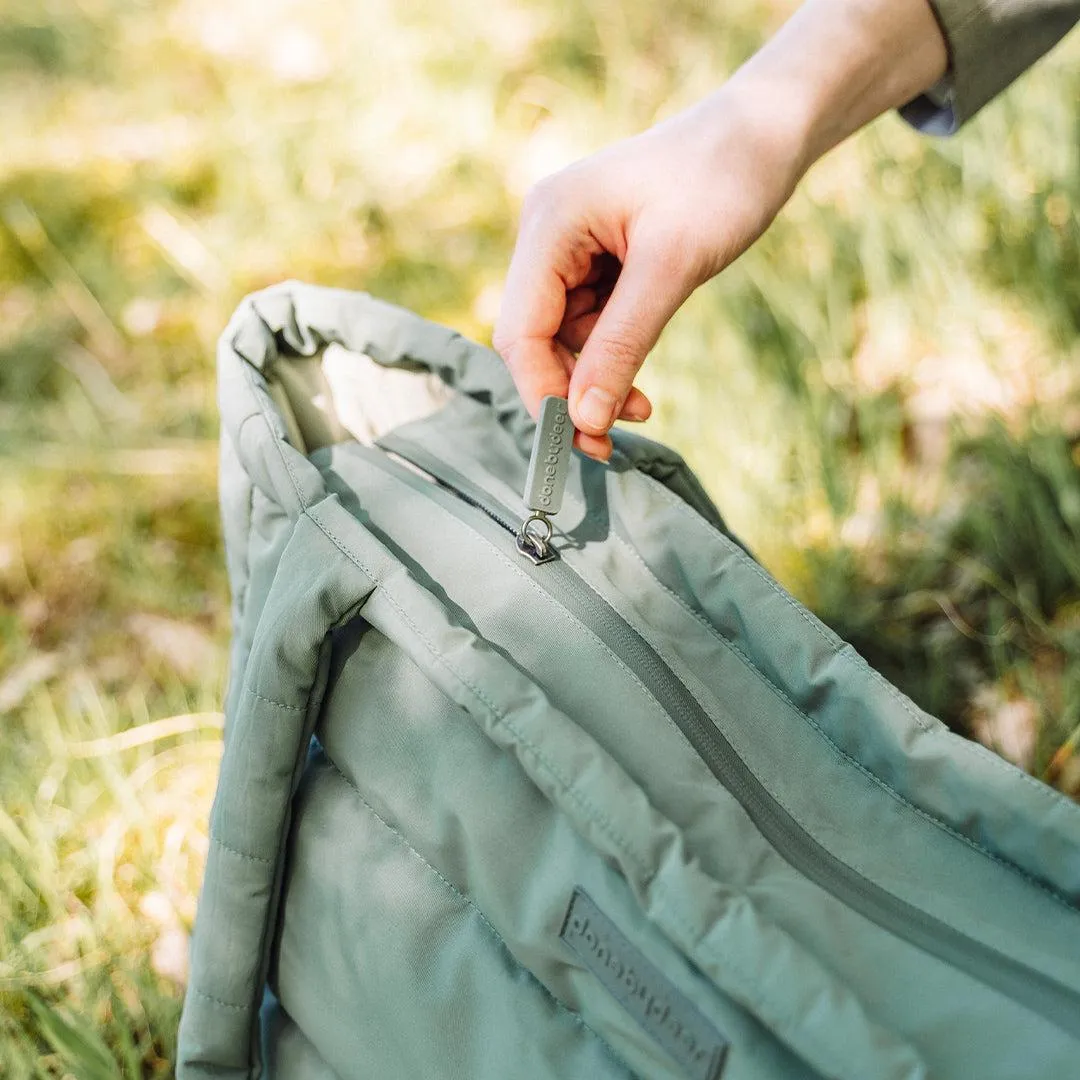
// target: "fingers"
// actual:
[[568, 293], [552, 258], [574, 335], [596, 446], [575, 332], [648, 292], [636, 407], [580, 301], [527, 332]]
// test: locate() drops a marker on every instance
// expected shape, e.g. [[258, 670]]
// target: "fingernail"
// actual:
[[597, 408]]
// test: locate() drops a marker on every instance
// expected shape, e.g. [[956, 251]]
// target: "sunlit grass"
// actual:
[[882, 396], [103, 839]]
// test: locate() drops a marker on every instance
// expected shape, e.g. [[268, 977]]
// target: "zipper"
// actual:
[[536, 551], [1035, 990]]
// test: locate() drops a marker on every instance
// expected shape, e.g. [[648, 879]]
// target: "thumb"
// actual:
[[646, 295]]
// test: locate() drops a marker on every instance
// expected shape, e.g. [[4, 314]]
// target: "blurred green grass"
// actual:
[[882, 396]]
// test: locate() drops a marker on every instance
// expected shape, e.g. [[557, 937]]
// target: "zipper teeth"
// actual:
[[1037, 991], [499, 519], [496, 515], [796, 846]]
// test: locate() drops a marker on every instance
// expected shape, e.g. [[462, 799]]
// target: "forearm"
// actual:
[[838, 64]]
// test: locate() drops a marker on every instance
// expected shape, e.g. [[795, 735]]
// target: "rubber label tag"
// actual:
[[549, 465], [667, 1015]]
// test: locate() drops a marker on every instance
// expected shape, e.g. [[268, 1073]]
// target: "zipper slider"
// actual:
[[533, 539], [545, 482]]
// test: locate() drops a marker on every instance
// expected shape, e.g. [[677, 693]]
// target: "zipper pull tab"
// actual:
[[549, 467]]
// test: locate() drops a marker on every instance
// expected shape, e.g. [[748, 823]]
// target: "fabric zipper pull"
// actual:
[[549, 467]]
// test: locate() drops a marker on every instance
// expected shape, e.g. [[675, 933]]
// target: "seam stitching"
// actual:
[[834, 642], [576, 1017], [218, 1001], [272, 701], [240, 854]]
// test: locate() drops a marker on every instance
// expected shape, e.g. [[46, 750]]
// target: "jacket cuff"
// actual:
[[933, 113], [990, 43]]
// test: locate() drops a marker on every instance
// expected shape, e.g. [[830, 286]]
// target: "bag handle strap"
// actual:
[[295, 322]]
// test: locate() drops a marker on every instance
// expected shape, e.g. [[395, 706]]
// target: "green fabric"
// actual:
[[990, 43], [487, 741]]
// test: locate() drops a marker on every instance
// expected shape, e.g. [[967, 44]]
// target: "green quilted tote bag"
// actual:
[[623, 810]]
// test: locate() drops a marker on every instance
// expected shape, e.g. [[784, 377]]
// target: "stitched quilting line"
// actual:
[[244, 554], [218, 1001], [835, 643], [238, 853], [273, 701], [750, 990], [577, 1018]]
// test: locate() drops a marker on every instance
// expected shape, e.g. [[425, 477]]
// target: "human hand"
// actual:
[[609, 248]]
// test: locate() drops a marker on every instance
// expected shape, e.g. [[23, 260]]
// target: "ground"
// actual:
[[882, 396]]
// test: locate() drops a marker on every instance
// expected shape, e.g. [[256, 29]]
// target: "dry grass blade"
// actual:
[[26, 226], [147, 733]]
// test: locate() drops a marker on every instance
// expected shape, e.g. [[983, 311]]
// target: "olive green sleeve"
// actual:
[[990, 43]]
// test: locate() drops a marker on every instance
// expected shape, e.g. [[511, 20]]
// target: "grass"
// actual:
[[913, 319]]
